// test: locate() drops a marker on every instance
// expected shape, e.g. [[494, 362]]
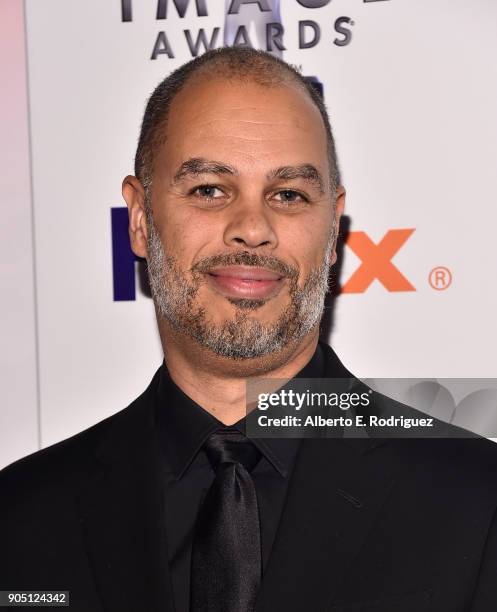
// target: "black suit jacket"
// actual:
[[369, 525]]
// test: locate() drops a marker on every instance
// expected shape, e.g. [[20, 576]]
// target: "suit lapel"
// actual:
[[122, 515], [335, 493], [337, 488]]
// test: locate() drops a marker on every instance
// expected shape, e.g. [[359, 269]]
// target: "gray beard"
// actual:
[[243, 337]]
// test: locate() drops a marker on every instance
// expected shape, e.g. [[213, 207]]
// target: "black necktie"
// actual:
[[226, 553]]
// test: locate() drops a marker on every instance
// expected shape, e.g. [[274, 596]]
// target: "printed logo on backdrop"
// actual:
[[263, 29]]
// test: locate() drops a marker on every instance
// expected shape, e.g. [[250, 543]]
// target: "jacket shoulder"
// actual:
[[44, 471], [447, 448]]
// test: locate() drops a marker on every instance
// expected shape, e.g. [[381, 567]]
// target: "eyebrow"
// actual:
[[308, 172], [199, 165]]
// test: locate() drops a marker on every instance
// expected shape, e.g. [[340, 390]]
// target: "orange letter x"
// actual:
[[376, 261]]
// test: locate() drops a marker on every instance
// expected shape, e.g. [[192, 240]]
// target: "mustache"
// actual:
[[245, 258]]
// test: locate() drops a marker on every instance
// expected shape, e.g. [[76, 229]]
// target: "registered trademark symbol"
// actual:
[[440, 278], [352, 23]]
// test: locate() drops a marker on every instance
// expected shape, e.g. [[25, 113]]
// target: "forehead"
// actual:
[[244, 123]]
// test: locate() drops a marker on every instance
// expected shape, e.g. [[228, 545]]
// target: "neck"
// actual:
[[217, 383]]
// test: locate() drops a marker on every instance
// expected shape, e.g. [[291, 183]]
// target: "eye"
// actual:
[[289, 196], [208, 192]]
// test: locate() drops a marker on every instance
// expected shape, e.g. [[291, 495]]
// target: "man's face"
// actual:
[[241, 223]]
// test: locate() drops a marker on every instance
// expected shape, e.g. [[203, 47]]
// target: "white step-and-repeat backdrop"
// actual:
[[411, 86]]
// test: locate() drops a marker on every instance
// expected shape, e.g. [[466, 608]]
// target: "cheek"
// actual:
[[307, 240], [185, 235]]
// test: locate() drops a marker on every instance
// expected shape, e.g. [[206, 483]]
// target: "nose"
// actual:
[[250, 226]]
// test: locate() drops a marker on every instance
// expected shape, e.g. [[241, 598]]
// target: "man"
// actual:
[[167, 505]]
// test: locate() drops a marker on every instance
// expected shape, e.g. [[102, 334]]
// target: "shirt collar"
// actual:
[[184, 426]]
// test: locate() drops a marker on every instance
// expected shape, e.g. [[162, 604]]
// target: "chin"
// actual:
[[265, 310], [254, 366]]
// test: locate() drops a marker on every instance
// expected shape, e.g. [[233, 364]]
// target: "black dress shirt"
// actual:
[[183, 428]]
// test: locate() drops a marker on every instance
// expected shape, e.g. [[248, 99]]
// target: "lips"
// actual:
[[245, 282]]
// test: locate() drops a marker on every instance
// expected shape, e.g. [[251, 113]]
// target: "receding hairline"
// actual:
[[202, 79]]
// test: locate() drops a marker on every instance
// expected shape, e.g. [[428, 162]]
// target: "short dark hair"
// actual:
[[231, 63]]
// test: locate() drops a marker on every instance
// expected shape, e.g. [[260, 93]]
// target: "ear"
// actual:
[[134, 195], [339, 207]]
